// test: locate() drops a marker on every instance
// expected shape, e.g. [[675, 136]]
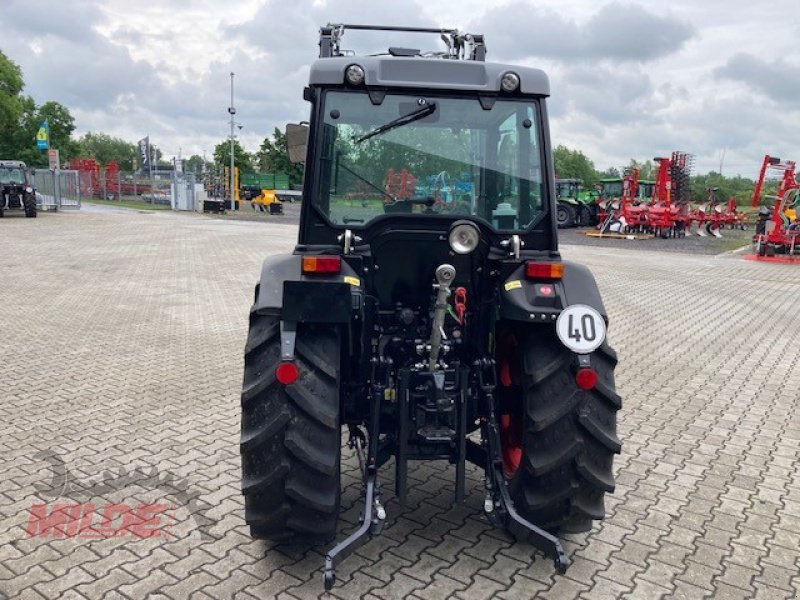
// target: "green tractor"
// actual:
[[644, 191], [611, 189], [575, 207]]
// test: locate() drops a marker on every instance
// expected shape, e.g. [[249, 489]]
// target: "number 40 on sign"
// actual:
[[581, 328]]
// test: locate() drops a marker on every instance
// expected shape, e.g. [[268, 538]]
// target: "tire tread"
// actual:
[[569, 436], [290, 441]]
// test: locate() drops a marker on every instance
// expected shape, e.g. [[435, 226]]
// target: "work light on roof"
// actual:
[[354, 74], [510, 82]]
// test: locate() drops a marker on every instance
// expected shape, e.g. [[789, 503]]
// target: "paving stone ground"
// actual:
[[121, 337]]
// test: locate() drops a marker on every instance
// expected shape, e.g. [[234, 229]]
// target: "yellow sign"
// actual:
[[513, 285], [352, 280], [42, 141]]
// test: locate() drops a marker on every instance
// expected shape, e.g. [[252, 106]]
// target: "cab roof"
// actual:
[[429, 73]]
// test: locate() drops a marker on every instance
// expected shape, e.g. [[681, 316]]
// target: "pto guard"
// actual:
[[284, 291], [521, 301]]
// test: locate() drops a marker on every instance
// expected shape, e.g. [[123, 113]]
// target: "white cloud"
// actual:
[[629, 79], [618, 31]]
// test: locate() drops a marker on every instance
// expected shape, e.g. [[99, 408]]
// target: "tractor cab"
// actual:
[[644, 192], [610, 188], [404, 138], [425, 305], [568, 189], [12, 173]]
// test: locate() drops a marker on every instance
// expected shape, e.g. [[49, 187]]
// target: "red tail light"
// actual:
[[287, 372], [586, 379], [544, 270], [322, 264]]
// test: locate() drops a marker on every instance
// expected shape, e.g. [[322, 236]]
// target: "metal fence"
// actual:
[[164, 187], [57, 189], [183, 192], [64, 188]]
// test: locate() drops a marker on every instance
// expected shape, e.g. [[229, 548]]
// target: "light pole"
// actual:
[[232, 112], [152, 180]]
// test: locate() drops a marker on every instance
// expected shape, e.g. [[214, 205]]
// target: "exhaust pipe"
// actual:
[[445, 274]]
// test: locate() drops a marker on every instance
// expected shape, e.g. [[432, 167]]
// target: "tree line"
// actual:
[[20, 118]]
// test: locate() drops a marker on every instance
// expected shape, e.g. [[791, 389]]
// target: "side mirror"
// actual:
[[296, 142]]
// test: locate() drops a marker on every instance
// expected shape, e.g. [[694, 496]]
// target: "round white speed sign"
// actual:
[[581, 328]]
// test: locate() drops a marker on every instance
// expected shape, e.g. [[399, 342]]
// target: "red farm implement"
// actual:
[[400, 184], [88, 175], [778, 229], [665, 213], [669, 207], [711, 217], [96, 181], [625, 214]]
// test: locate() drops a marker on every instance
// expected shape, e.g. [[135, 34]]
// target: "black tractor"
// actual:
[[426, 307], [16, 188]]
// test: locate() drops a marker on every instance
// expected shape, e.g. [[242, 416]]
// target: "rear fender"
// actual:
[[284, 291], [522, 299]]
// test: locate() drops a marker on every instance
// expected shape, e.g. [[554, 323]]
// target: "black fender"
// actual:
[[520, 299], [580, 287], [283, 290]]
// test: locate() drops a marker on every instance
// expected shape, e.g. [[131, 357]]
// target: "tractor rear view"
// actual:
[[431, 315]]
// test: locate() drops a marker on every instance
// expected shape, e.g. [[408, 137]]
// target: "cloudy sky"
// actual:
[[628, 79]]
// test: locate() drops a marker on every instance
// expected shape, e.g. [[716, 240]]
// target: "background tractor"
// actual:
[[575, 206], [429, 312], [16, 188]]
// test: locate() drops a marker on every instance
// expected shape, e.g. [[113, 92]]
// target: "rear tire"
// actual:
[[290, 442], [30, 207], [588, 215], [568, 435], [565, 215]]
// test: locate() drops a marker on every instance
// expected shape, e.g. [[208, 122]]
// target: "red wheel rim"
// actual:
[[511, 414], [511, 444]]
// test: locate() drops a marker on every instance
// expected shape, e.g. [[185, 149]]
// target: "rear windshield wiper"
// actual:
[[415, 115]]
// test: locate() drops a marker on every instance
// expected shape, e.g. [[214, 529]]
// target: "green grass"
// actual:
[[133, 204], [729, 245]]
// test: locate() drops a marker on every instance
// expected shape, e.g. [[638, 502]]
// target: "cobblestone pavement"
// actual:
[[121, 336]]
